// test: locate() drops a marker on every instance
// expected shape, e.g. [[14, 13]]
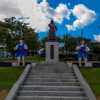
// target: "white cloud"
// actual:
[[97, 38], [41, 13], [70, 27], [61, 12], [8, 8], [2, 16], [84, 15], [37, 12]]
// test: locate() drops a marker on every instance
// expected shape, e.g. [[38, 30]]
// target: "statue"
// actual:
[[52, 45], [52, 30]]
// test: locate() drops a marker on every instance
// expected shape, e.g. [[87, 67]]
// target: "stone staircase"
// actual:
[[51, 82]]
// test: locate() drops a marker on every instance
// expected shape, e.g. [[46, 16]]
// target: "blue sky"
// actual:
[[89, 30], [81, 14]]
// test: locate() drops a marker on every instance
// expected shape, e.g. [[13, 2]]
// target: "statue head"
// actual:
[[52, 21], [82, 42]]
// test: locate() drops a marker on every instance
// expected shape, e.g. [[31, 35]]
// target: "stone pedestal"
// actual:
[[52, 52]]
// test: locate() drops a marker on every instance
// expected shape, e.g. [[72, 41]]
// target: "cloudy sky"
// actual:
[[70, 16]]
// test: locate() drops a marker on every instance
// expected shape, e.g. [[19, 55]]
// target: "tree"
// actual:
[[31, 38], [70, 43], [95, 49], [12, 30], [3, 34]]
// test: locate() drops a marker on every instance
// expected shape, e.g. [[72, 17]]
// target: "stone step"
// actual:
[[51, 74], [50, 88], [51, 93], [53, 77], [52, 66], [45, 71], [51, 98], [51, 70], [53, 83], [50, 80]]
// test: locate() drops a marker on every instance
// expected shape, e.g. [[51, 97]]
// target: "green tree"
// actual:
[[31, 38], [8, 34], [70, 43]]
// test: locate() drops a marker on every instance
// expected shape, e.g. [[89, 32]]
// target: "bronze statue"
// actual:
[[52, 30]]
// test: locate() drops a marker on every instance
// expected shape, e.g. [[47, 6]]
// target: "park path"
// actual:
[[51, 82]]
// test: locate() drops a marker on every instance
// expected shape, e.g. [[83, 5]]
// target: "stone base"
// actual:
[[52, 52]]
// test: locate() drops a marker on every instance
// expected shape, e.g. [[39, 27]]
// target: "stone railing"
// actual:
[[83, 82]]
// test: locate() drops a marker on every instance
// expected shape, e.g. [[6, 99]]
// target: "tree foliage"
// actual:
[[12, 30]]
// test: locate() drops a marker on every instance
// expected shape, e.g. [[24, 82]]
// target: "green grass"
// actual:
[[34, 58], [5, 58], [92, 75], [8, 76]]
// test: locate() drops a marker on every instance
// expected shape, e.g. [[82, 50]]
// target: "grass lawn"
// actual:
[[8, 76], [5, 58], [92, 75], [34, 58]]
